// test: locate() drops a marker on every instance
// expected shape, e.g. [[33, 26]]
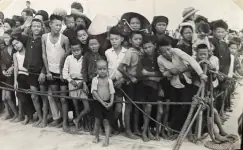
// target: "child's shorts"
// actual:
[[56, 80], [134, 91], [100, 112], [150, 94], [33, 80], [77, 93]]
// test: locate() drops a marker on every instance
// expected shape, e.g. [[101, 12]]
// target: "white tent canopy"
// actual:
[[212, 9]]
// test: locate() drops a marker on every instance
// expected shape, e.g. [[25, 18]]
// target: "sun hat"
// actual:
[[187, 12]]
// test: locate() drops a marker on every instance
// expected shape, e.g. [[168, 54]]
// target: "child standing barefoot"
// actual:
[[103, 92]]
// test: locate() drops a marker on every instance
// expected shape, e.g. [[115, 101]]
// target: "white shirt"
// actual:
[[20, 60], [72, 68], [113, 62], [54, 54]]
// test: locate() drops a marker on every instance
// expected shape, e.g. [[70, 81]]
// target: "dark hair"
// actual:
[[77, 5], [8, 32], [56, 17], [80, 27], [135, 32], [203, 27], [219, 24], [184, 27], [91, 37], [37, 20], [28, 12], [200, 19], [202, 46], [149, 39], [11, 22], [18, 18], [74, 43], [28, 2], [44, 14], [19, 38], [235, 40], [232, 31], [115, 30], [166, 41], [68, 17]]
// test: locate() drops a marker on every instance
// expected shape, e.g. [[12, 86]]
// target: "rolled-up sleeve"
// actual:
[[185, 57]]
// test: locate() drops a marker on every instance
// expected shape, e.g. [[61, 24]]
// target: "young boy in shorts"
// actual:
[[71, 73], [114, 56], [54, 47], [128, 67], [33, 62], [151, 86], [103, 92]]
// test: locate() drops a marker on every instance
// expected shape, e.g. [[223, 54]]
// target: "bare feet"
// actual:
[[106, 143], [157, 138], [96, 140], [15, 118], [76, 123], [7, 117], [54, 123], [145, 138], [223, 133], [66, 128], [137, 132], [222, 138], [43, 123], [26, 120], [36, 124], [151, 136], [130, 135]]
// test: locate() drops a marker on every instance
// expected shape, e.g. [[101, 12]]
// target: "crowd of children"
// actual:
[[134, 56]]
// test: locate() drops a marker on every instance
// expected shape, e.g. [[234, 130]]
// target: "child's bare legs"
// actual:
[[218, 123], [76, 108], [117, 113], [85, 111], [36, 102], [107, 132], [8, 98], [43, 123], [128, 132], [136, 122], [97, 130], [64, 109], [54, 106], [166, 117], [158, 118], [148, 108]]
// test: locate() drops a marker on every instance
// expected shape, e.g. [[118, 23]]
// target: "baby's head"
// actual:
[[203, 30], [70, 22], [102, 68], [202, 52]]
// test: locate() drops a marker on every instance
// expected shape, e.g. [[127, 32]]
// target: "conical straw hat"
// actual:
[[101, 23]]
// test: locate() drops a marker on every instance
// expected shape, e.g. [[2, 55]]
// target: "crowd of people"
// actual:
[[134, 56]]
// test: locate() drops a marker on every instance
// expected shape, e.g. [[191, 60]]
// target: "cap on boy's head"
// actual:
[[160, 19], [115, 30], [201, 46], [56, 17], [11, 22], [77, 5], [200, 19], [44, 14], [203, 27], [166, 41], [220, 24], [149, 39]]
